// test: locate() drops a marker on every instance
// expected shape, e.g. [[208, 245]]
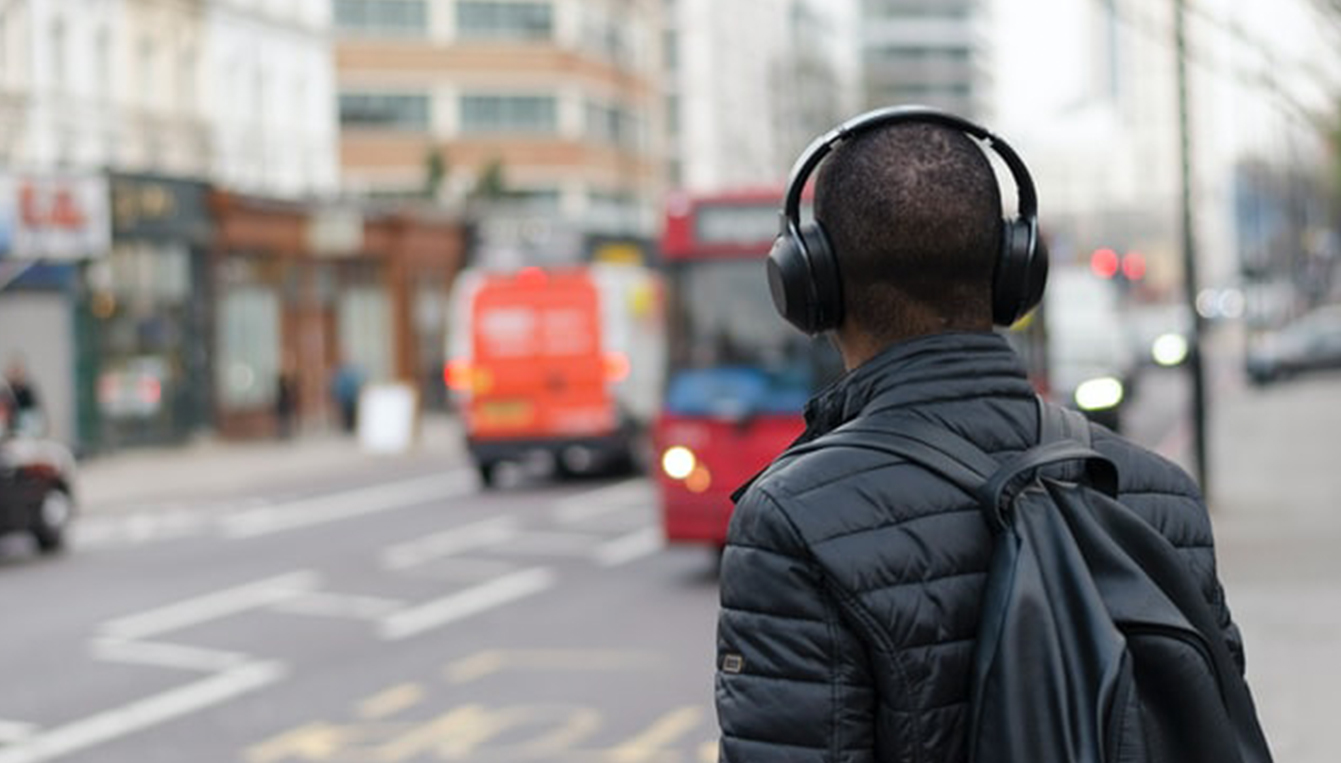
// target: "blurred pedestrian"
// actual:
[[27, 403], [852, 580], [345, 388], [286, 402]]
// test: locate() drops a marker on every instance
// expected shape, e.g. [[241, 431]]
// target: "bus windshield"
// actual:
[[730, 354]]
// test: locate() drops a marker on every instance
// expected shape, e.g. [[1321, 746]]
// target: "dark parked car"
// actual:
[[36, 480], [1311, 343]]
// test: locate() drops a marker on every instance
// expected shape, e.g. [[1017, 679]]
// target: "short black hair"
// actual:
[[913, 213]]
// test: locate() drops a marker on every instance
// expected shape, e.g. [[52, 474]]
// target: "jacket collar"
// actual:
[[922, 369], [912, 371]]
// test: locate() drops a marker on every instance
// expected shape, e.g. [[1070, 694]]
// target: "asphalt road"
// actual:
[[414, 620], [363, 617]]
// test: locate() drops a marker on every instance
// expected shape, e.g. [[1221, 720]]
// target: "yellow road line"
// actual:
[[387, 703], [653, 742], [492, 661]]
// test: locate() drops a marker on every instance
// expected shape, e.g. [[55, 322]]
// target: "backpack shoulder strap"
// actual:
[[931, 446], [1057, 422], [965, 465]]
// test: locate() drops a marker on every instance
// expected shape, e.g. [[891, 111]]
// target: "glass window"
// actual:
[[58, 73], [384, 110], [382, 17], [612, 125], [538, 114], [248, 347], [906, 9], [729, 354], [365, 323], [507, 20]]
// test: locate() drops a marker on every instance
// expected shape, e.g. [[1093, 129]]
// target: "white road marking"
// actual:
[[628, 548], [166, 655], [347, 505], [142, 714], [13, 732], [211, 606], [469, 537], [339, 605], [463, 604], [551, 543], [594, 503]]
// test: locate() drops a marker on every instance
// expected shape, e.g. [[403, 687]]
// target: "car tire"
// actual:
[[50, 518]]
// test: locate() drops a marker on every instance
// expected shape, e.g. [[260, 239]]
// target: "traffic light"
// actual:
[[1105, 263], [1133, 266]]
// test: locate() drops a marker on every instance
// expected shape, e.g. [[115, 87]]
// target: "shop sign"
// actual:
[[53, 216], [335, 232], [152, 207]]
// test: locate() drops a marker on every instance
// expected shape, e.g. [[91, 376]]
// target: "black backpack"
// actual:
[[1095, 645]]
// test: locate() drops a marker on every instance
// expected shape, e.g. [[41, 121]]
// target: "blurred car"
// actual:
[[36, 479], [1092, 363], [1161, 334], [1310, 343]]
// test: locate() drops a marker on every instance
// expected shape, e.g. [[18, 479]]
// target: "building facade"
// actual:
[[555, 102], [749, 84], [234, 91], [268, 97], [929, 52]]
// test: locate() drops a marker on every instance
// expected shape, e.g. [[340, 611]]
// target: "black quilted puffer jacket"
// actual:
[[851, 581]]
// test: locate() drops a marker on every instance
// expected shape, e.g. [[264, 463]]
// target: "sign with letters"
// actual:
[[53, 216]]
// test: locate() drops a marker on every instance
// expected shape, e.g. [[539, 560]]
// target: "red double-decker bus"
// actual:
[[738, 375]]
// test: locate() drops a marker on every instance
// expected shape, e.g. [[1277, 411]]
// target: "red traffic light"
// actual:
[[1133, 266], [1105, 263]]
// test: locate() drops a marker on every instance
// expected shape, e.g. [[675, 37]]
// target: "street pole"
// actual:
[[1196, 359]]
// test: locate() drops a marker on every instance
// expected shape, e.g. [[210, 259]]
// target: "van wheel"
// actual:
[[488, 471], [50, 520]]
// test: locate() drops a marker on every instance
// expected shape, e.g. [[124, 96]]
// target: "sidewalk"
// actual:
[[1276, 506], [214, 469]]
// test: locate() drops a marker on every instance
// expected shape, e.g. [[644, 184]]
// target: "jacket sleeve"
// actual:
[[1170, 500], [792, 681]]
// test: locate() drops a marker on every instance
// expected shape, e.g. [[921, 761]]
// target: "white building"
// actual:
[[232, 91], [750, 82], [1095, 113], [269, 96]]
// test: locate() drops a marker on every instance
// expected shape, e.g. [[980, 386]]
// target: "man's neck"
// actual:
[[857, 346]]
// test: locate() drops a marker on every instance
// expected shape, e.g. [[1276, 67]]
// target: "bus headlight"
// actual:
[[678, 462], [1099, 394], [1170, 350]]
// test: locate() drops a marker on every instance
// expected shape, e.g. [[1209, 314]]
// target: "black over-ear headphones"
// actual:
[[803, 271]]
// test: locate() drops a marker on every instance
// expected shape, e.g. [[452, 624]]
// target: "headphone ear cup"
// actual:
[[789, 283], [824, 277], [1021, 272]]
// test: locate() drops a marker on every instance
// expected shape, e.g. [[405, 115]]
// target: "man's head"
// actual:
[[913, 213]]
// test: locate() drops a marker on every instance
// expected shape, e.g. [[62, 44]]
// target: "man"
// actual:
[[852, 581], [27, 413], [25, 396]]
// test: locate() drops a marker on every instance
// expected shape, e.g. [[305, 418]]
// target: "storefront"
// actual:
[[306, 291], [54, 228], [147, 305], [426, 252]]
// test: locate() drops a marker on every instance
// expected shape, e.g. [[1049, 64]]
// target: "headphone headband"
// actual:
[[803, 269], [824, 144]]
